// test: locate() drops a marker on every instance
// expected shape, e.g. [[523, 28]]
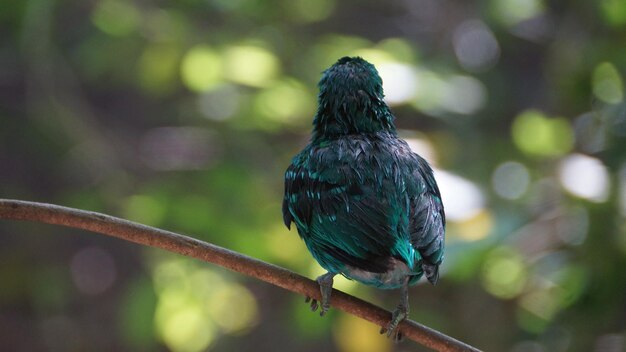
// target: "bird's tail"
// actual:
[[432, 272]]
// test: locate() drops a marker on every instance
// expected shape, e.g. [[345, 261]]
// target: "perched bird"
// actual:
[[366, 206]]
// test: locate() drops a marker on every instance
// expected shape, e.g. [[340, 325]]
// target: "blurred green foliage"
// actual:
[[184, 115]]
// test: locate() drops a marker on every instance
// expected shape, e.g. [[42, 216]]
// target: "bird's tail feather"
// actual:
[[432, 272]]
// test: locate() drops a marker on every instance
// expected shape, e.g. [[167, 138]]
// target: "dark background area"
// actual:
[[184, 115]]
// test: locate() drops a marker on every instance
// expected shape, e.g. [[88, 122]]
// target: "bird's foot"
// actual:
[[312, 302], [326, 287], [399, 314]]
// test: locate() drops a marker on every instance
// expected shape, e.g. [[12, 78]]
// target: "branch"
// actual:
[[187, 246]]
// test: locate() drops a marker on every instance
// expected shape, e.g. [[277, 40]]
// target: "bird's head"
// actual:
[[351, 78], [351, 100]]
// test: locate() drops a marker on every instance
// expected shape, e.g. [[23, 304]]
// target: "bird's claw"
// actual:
[[392, 329], [315, 305], [326, 285], [323, 309]]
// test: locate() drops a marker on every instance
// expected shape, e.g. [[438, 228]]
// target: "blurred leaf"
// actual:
[[201, 68], [144, 209], [116, 17], [504, 273], [607, 83], [285, 102], [250, 65], [158, 68], [614, 12], [538, 135]]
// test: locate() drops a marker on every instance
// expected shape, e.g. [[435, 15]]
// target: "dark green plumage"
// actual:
[[366, 206]]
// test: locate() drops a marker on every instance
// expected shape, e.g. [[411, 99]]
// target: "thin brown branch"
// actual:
[[187, 246]]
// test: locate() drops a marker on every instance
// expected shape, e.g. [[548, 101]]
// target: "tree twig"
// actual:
[[187, 246]]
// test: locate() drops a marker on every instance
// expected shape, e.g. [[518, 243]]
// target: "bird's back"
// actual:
[[367, 207]]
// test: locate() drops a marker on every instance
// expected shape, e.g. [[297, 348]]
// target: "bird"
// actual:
[[366, 206]]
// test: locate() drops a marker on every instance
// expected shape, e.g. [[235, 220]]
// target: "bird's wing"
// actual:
[[340, 212], [427, 220]]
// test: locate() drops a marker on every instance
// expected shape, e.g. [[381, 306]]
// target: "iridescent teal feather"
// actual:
[[366, 206]]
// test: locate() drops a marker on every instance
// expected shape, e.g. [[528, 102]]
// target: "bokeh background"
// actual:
[[184, 115]]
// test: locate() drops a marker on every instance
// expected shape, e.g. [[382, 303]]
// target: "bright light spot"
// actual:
[[398, 82], [220, 103], [93, 270], [311, 11], [362, 338], [504, 273], [536, 134], [232, 307], [284, 101], [204, 282], [475, 228], [464, 95], [169, 276], [431, 90], [116, 18], [185, 329], [423, 148], [510, 180], [201, 68], [144, 209], [585, 177], [178, 148], [462, 199], [607, 83], [512, 12], [475, 46], [250, 65], [195, 303]]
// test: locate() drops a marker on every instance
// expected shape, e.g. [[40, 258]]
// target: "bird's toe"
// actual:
[[392, 329], [314, 305]]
